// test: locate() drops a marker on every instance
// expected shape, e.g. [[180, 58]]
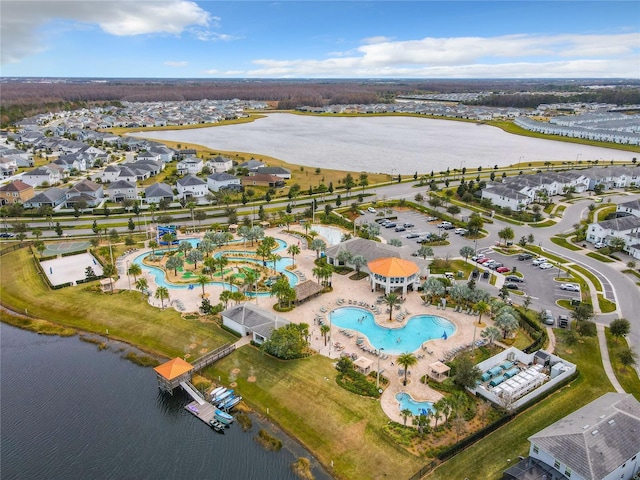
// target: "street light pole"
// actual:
[[128, 277], [378, 372]]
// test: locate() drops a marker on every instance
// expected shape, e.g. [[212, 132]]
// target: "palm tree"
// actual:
[[491, 334], [169, 238], [406, 413], [324, 329], [203, 280], [251, 278], [134, 270], [318, 245], [161, 294], [391, 300], [274, 257], [358, 261], [481, 307], [222, 262], [194, 256], [225, 296], [210, 264], [153, 245], [407, 360], [174, 263], [109, 271], [293, 250], [142, 285]]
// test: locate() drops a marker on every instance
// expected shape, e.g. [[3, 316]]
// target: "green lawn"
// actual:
[[627, 376], [546, 223], [303, 397], [488, 458], [441, 266], [599, 257], [125, 314], [564, 243], [606, 306]]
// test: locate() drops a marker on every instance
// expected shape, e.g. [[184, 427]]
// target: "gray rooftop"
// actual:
[[190, 180], [255, 318], [596, 439], [621, 223]]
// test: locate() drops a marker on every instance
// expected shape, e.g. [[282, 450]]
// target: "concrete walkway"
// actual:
[[606, 362]]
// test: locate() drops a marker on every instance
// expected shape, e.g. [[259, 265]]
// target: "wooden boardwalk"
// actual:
[[213, 356], [203, 412]]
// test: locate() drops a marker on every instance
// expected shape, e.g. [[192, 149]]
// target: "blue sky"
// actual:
[[319, 39]]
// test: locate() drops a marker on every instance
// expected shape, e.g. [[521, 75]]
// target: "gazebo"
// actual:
[[363, 365], [438, 371], [391, 273], [171, 373]]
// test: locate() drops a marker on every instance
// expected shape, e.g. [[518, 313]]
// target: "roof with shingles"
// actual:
[[393, 267], [596, 439]]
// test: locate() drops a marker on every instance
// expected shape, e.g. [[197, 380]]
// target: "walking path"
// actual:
[[606, 362]]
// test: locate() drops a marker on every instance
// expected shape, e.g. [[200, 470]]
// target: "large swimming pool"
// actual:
[[408, 338]]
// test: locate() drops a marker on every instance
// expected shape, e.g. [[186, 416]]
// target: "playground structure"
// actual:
[[164, 230]]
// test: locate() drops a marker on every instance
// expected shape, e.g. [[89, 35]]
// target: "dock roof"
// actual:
[[173, 368]]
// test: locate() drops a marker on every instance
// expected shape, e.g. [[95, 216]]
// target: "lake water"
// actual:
[[382, 144], [70, 412]]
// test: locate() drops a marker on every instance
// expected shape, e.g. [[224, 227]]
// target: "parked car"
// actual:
[[512, 286], [389, 225], [484, 260], [563, 321], [371, 210], [477, 257], [513, 278], [538, 261], [361, 212], [448, 227], [400, 229], [412, 235], [444, 224], [460, 231], [547, 317], [431, 219], [599, 244], [7, 235], [571, 287], [525, 256], [382, 220], [502, 269], [546, 266], [408, 225]]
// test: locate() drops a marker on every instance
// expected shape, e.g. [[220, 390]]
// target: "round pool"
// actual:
[[409, 338]]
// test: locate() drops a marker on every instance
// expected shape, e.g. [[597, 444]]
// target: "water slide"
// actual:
[[190, 389]]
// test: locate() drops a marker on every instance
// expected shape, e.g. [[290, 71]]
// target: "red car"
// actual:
[[483, 260], [502, 269]]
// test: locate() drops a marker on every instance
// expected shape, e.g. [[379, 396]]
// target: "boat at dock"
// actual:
[[220, 398], [230, 404], [217, 426], [217, 391], [222, 417]]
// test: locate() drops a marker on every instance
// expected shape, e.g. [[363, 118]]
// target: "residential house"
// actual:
[[223, 180], [277, 171], [121, 189], [219, 164], [16, 192], [599, 441], [627, 228], [42, 176], [504, 196], [157, 192], [190, 166], [191, 187], [248, 319], [90, 192], [252, 165], [629, 208], [262, 180], [8, 167], [51, 197], [71, 162]]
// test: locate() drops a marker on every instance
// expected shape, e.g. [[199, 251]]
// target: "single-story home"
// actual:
[[249, 319]]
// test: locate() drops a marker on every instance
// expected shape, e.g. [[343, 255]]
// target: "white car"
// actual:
[[545, 266], [599, 244], [371, 210], [539, 261], [460, 231], [571, 287]]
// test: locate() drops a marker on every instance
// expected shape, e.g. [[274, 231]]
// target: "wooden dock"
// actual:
[[212, 356], [203, 412]]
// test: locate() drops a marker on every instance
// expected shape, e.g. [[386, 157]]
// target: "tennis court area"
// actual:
[[71, 268], [64, 247]]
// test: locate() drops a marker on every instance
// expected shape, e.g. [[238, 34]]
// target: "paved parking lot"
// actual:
[[539, 284]]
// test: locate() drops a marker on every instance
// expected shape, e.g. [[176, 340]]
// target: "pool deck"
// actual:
[[344, 288]]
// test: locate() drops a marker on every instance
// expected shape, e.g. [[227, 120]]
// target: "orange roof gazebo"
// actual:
[[173, 368], [393, 267], [391, 273]]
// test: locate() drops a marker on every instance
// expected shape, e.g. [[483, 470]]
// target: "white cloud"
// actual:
[[21, 20], [615, 55], [176, 64], [373, 40]]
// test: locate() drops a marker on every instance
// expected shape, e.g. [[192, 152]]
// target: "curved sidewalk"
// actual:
[[606, 362]]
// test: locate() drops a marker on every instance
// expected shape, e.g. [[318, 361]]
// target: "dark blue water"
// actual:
[[70, 411]]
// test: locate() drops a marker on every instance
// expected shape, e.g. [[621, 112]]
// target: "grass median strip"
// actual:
[[606, 305], [600, 258], [562, 242], [627, 376]]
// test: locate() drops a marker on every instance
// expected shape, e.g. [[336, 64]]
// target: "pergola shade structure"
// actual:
[[171, 373], [392, 273]]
